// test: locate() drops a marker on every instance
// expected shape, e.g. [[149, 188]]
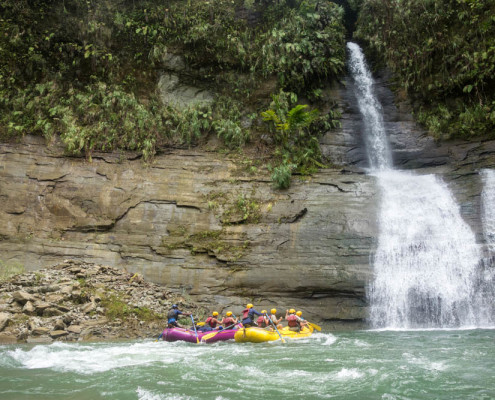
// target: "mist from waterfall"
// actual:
[[426, 265]]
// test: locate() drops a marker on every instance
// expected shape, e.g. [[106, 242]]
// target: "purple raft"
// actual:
[[175, 334]]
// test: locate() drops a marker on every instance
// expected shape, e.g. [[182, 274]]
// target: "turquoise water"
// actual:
[[351, 365]]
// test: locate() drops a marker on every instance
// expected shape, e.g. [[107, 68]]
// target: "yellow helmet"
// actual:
[[292, 311], [228, 313], [273, 310], [299, 313], [215, 314], [263, 311], [249, 305]]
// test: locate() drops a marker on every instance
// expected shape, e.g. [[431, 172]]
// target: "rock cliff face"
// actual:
[[196, 222], [212, 227]]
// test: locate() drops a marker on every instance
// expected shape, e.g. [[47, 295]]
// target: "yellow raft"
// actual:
[[260, 335]]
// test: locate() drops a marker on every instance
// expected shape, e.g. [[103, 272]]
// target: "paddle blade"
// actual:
[[208, 336], [317, 327]]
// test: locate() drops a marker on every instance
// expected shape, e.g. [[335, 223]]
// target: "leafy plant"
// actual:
[[296, 130]]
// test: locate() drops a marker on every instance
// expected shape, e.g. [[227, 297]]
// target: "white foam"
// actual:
[[346, 374], [94, 358], [425, 363], [144, 394], [325, 339]]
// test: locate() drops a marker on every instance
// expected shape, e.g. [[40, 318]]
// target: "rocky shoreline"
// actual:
[[78, 301]]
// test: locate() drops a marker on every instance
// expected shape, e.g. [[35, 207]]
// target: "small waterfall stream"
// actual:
[[427, 262]]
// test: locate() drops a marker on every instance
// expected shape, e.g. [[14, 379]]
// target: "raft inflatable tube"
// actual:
[[260, 335], [187, 335]]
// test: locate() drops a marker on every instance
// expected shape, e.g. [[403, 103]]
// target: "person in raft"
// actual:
[[294, 322], [212, 320], [228, 321], [263, 321], [273, 317], [248, 316], [173, 316]]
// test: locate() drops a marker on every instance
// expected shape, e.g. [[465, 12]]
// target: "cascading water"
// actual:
[[426, 262], [488, 204], [379, 154]]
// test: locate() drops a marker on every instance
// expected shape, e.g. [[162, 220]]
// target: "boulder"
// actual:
[[41, 306], [52, 312], [29, 308], [58, 334], [88, 307], [22, 297], [66, 290], [59, 325], [54, 298], [40, 331], [74, 329], [5, 318]]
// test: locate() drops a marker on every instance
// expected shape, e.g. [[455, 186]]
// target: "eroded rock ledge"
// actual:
[[74, 301]]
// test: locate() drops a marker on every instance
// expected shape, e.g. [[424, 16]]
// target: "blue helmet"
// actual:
[[175, 306]]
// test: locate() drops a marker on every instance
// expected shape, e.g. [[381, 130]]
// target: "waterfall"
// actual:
[[379, 154], [488, 206], [426, 266]]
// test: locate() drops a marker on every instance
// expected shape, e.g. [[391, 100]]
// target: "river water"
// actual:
[[434, 364]]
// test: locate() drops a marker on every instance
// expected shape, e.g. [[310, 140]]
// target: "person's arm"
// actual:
[[186, 314]]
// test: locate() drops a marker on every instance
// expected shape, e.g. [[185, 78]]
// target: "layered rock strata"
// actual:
[[202, 223]]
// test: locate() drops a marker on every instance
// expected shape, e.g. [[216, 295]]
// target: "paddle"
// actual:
[[281, 338], [195, 331], [317, 327], [213, 334], [161, 334]]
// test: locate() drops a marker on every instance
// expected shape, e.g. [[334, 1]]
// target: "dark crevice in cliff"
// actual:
[[294, 218], [15, 212], [107, 226], [333, 294], [55, 180], [335, 186], [103, 175], [349, 172]]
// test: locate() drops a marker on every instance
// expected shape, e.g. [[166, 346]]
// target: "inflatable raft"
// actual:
[[175, 334], [260, 335]]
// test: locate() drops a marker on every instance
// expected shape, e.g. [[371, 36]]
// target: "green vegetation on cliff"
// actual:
[[87, 71], [443, 55]]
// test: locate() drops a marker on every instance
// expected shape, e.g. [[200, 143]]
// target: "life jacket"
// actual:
[[292, 321], [228, 321], [172, 314], [261, 321], [245, 313], [210, 322]]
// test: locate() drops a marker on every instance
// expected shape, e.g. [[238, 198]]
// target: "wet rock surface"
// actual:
[[125, 306]]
